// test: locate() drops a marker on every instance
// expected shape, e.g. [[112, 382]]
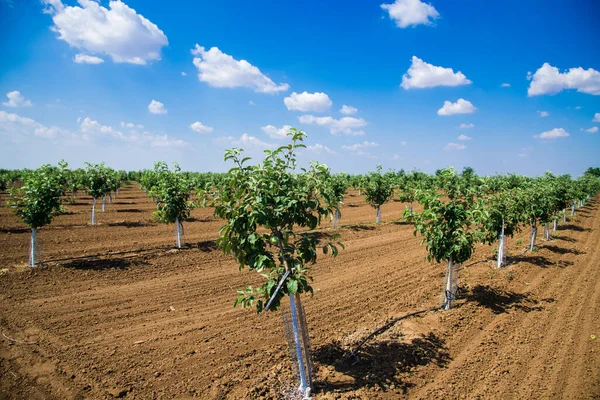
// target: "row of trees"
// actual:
[[265, 205]]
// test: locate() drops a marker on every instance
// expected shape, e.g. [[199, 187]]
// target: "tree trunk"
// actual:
[[555, 223], [411, 209], [103, 203], [378, 218], [94, 211], [501, 248], [565, 215], [533, 232], [546, 232], [336, 219], [32, 252], [572, 209], [178, 235], [448, 287], [300, 347]]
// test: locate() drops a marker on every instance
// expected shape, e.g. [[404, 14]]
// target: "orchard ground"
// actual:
[[116, 311]]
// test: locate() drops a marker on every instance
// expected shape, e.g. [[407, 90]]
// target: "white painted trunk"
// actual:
[[178, 226], [32, 259], [104, 204], [501, 248], [94, 211], [378, 218], [533, 233], [448, 288]]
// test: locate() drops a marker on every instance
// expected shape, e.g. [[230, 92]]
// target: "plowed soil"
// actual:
[[116, 312]]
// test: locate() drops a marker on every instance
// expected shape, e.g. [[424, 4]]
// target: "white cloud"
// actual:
[[423, 75], [358, 146], [395, 157], [246, 141], [183, 74], [252, 103], [543, 114], [593, 129], [404, 143], [156, 107], [578, 107], [13, 124], [523, 155], [87, 59], [345, 125], [131, 125], [461, 106], [463, 137], [275, 133], [223, 71], [411, 13], [200, 128], [348, 110], [553, 134], [596, 117], [92, 130], [454, 146], [319, 148], [505, 85], [549, 80], [305, 102], [16, 99], [466, 126], [119, 32]]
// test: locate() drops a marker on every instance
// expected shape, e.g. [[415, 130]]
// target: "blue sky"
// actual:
[[78, 81]]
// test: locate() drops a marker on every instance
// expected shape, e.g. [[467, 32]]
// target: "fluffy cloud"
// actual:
[[183, 74], [306, 102], [92, 130], [345, 125], [200, 127], [348, 110], [543, 113], [505, 85], [553, 134], [549, 80], [593, 129], [131, 125], [454, 146], [246, 141], [319, 148], [423, 75], [464, 137], [86, 59], [466, 126], [359, 146], [223, 71], [275, 133], [16, 99], [411, 13], [13, 124], [596, 117], [119, 32], [461, 106], [156, 107]]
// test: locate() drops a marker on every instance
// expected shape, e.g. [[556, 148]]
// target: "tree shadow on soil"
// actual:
[[103, 264], [402, 223], [207, 246], [501, 301], [574, 228], [560, 250], [529, 258], [380, 363], [565, 238], [129, 210], [360, 227], [128, 224], [15, 230]]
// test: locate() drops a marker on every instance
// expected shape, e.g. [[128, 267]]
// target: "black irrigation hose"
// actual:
[[388, 326]]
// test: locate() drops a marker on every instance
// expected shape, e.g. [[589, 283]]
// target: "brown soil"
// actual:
[[115, 311]]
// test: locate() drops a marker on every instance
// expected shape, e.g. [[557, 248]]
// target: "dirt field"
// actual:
[[117, 312]]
